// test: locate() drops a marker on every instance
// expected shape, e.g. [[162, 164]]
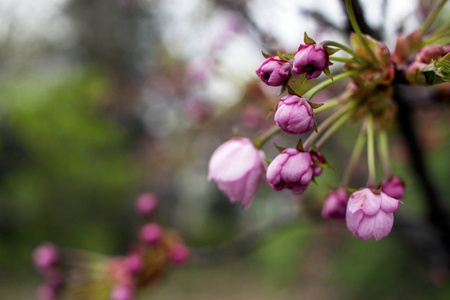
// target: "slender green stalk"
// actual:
[[338, 124], [352, 18], [346, 49], [326, 123], [263, 138], [356, 153], [326, 83], [432, 16], [342, 59], [327, 105], [384, 152], [371, 181]]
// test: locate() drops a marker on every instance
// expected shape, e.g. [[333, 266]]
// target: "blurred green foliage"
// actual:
[[66, 173]]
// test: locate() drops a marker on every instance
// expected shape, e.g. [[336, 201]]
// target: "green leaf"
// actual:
[[266, 55], [307, 40], [315, 105]]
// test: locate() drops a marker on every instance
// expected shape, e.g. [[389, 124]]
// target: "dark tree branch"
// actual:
[[437, 214]]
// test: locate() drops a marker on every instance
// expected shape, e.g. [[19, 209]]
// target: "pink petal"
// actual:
[[372, 202], [353, 220], [388, 204]]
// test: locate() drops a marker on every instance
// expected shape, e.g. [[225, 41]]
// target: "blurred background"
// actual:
[[103, 100]]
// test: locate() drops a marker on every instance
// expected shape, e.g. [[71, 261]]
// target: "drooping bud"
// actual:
[[151, 234], [294, 115], [310, 59], [393, 187], [179, 254], [335, 205], [238, 169], [274, 71], [370, 214], [146, 204], [45, 256], [291, 169]]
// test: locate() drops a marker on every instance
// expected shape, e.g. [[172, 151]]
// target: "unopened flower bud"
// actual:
[[393, 187], [134, 263], [294, 115], [292, 170], [414, 73], [274, 71], [335, 205], [429, 53], [238, 169], [45, 256], [179, 254], [146, 204], [310, 59], [151, 233], [122, 292], [370, 214]]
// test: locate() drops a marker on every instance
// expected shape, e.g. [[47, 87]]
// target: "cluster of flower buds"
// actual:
[[114, 278], [239, 165]]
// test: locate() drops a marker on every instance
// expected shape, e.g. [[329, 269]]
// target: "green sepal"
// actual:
[[377, 191], [265, 55], [257, 142], [349, 189], [438, 71], [313, 179], [315, 126], [268, 161], [322, 165], [299, 146], [315, 105], [307, 40], [289, 55], [281, 56], [331, 51], [280, 149], [327, 72], [283, 89]]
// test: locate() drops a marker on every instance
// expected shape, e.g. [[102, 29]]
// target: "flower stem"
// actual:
[[338, 124], [325, 124], [352, 18], [263, 138], [383, 152], [371, 181], [346, 49], [326, 83], [342, 59], [432, 17], [327, 105], [356, 153]]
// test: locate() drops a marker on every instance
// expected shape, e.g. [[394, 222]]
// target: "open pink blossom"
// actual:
[[274, 71], [393, 187], [291, 169], [335, 205], [238, 169], [294, 115], [370, 214], [310, 59]]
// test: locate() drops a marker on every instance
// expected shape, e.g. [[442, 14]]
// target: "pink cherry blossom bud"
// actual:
[[146, 204], [122, 292], [134, 263], [317, 157], [294, 115], [151, 233], [274, 71], [430, 53], [238, 169], [393, 187], [370, 214], [310, 59], [292, 170], [335, 205], [46, 256], [179, 254], [413, 73], [46, 292]]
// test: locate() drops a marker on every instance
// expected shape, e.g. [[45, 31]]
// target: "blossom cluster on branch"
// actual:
[[81, 275], [239, 166]]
